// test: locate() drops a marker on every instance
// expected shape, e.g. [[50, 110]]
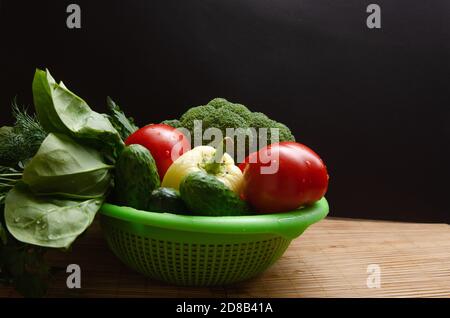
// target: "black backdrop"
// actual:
[[373, 103]]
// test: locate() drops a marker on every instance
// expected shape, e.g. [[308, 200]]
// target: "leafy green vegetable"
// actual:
[[8, 170], [23, 266], [65, 168], [46, 221], [61, 111], [33, 283], [20, 142], [65, 179], [5, 130], [3, 235], [28, 125], [123, 124]]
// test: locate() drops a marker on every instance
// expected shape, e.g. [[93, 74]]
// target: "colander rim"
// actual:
[[287, 224]]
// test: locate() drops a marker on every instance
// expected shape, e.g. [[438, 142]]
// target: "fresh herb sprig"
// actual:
[[8, 179], [21, 265], [20, 142], [123, 124], [67, 148]]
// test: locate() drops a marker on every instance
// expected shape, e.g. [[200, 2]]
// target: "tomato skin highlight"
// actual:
[[160, 140], [301, 178]]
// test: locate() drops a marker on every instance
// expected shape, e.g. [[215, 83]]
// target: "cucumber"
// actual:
[[206, 195], [136, 177], [167, 200]]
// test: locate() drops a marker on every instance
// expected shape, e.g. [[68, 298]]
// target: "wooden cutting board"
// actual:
[[330, 259]]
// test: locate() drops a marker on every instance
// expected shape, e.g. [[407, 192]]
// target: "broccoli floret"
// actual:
[[175, 123], [260, 120], [223, 118], [195, 113], [239, 109], [218, 102], [285, 132]]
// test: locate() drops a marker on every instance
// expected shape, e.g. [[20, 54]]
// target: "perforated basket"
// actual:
[[203, 251]]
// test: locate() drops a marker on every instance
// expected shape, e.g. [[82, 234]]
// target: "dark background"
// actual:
[[373, 103]]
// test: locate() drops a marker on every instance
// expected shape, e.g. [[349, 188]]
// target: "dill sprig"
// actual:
[[8, 179], [20, 142], [22, 265]]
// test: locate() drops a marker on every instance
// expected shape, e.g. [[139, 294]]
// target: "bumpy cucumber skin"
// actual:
[[205, 195], [136, 177], [167, 200]]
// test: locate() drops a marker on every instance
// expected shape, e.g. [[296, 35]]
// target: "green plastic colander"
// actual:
[[201, 250]]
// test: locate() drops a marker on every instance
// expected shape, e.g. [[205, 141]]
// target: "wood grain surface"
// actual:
[[329, 260]]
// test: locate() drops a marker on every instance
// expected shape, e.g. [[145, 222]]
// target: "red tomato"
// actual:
[[161, 139], [299, 177]]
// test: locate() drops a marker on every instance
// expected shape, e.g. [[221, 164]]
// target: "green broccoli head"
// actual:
[[239, 109], [284, 132], [195, 113], [222, 114], [218, 102], [175, 123], [223, 118], [260, 120]]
